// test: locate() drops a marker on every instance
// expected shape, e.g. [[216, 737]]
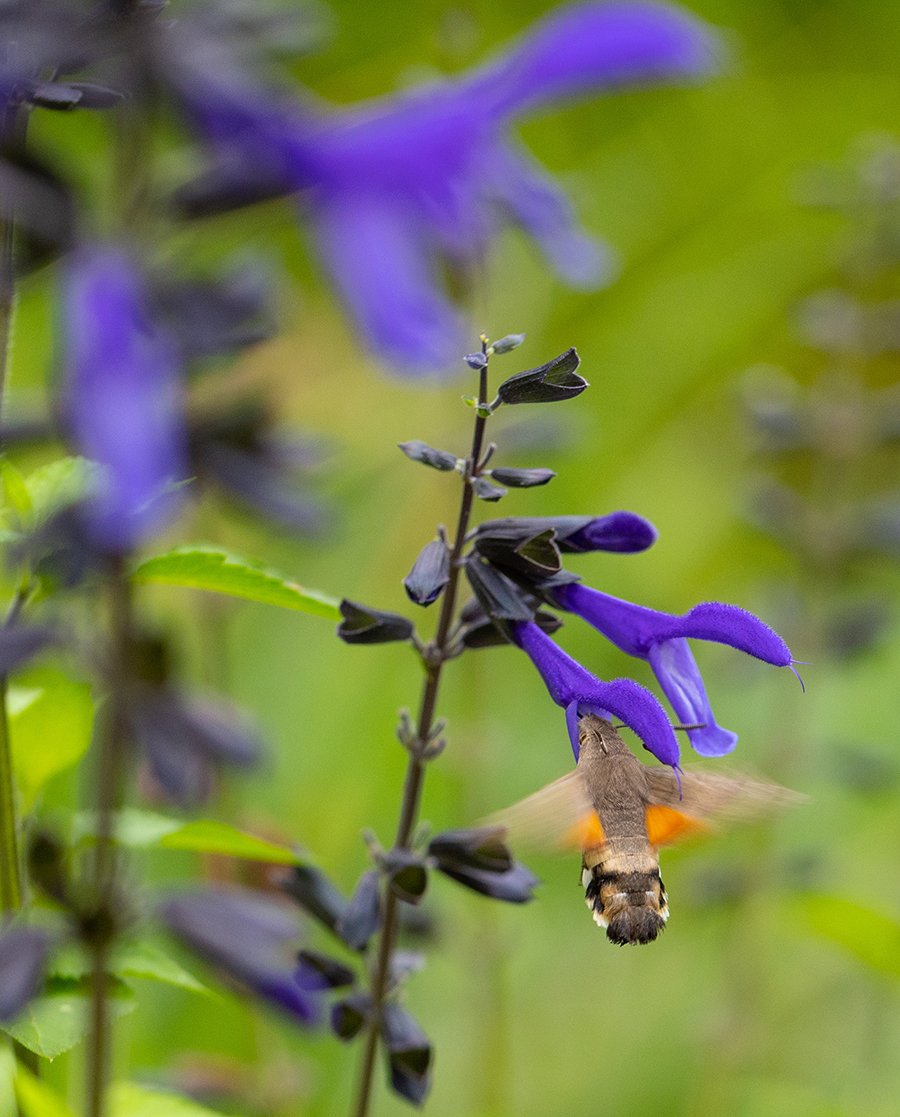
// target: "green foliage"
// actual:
[[137, 829], [869, 936], [50, 727], [58, 1019], [35, 1097], [130, 958], [129, 1100], [220, 571]]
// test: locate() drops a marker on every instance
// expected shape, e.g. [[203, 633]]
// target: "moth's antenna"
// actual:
[[697, 725]]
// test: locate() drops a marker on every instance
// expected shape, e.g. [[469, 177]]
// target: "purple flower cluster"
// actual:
[[660, 638], [399, 186]]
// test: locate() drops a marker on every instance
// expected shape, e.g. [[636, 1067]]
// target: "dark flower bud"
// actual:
[[420, 452], [409, 1053], [508, 343], [485, 634], [522, 478], [23, 958], [227, 187], [362, 916], [556, 380], [47, 864], [430, 573], [184, 738], [624, 532], [315, 893], [247, 937], [499, 596], [53, 95], [476, 360], [478, 848], [536, 558], [20, 643], [480, 860], [319, 971], [484, 490], [362, 625], [407, 874], [350, 1015]]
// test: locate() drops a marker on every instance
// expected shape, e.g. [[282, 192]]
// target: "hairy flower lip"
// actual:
[[579, 692], [662, 640]]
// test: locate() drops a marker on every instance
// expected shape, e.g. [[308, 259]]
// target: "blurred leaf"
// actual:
[[36, 1099], [148, 830], [58, 484], [128, 1100], [57, 1020], [220, 571], [872, 938], [15, 491], [50, 728], [136, 958]]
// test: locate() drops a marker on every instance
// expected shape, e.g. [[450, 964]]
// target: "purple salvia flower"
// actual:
[[622, 532], [23, 959], [661, 638], [250, 938], [579, 692], [121, 397], [397, 185]]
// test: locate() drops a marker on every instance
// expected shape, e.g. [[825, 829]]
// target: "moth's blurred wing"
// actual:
[[559, 816], [708, 797]]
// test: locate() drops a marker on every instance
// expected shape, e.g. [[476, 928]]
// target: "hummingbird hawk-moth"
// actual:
[[619, 812]]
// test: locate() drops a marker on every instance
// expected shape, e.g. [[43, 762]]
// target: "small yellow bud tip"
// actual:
[[483, 338]]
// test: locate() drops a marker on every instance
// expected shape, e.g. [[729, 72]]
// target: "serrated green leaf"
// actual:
[[59, 484], [50, 729], [138, 829], [220, 571], [58, 1019], [35, 1097], [135, 958], [128, 1100], [871, 937]]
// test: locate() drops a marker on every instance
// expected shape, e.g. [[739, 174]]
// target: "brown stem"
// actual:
[[99, 930], [434, 657]]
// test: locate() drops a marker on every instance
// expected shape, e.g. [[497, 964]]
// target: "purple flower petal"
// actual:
[[247, 936], [622, 532], [584, 48], [533, 200], [674, 665], [378, 255], [635, 629], [121, 397], [571, 685], [23, 957]]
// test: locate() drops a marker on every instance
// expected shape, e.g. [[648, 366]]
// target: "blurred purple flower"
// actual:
[[23, 958], [661, 638], [579, 692], [400, 184], [121, 397], [251, 939]]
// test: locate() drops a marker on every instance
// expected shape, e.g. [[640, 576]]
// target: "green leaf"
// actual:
[[50, 729], [128, 1100], [59, 484], [133, 958], [138, 829], [58, 1019], [36, 1099], [871, 937], [220, 571], [16, 496]]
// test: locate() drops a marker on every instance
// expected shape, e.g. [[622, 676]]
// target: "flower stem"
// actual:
[[434, 657], [99, 930], [10, 868]]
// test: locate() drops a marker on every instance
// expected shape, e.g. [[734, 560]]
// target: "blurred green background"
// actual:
[[774, 990]]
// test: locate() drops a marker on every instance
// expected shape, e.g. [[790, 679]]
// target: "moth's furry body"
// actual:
[[619, 812], [622, 885]]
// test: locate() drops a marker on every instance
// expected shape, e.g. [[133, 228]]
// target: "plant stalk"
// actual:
[[434, 657]]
